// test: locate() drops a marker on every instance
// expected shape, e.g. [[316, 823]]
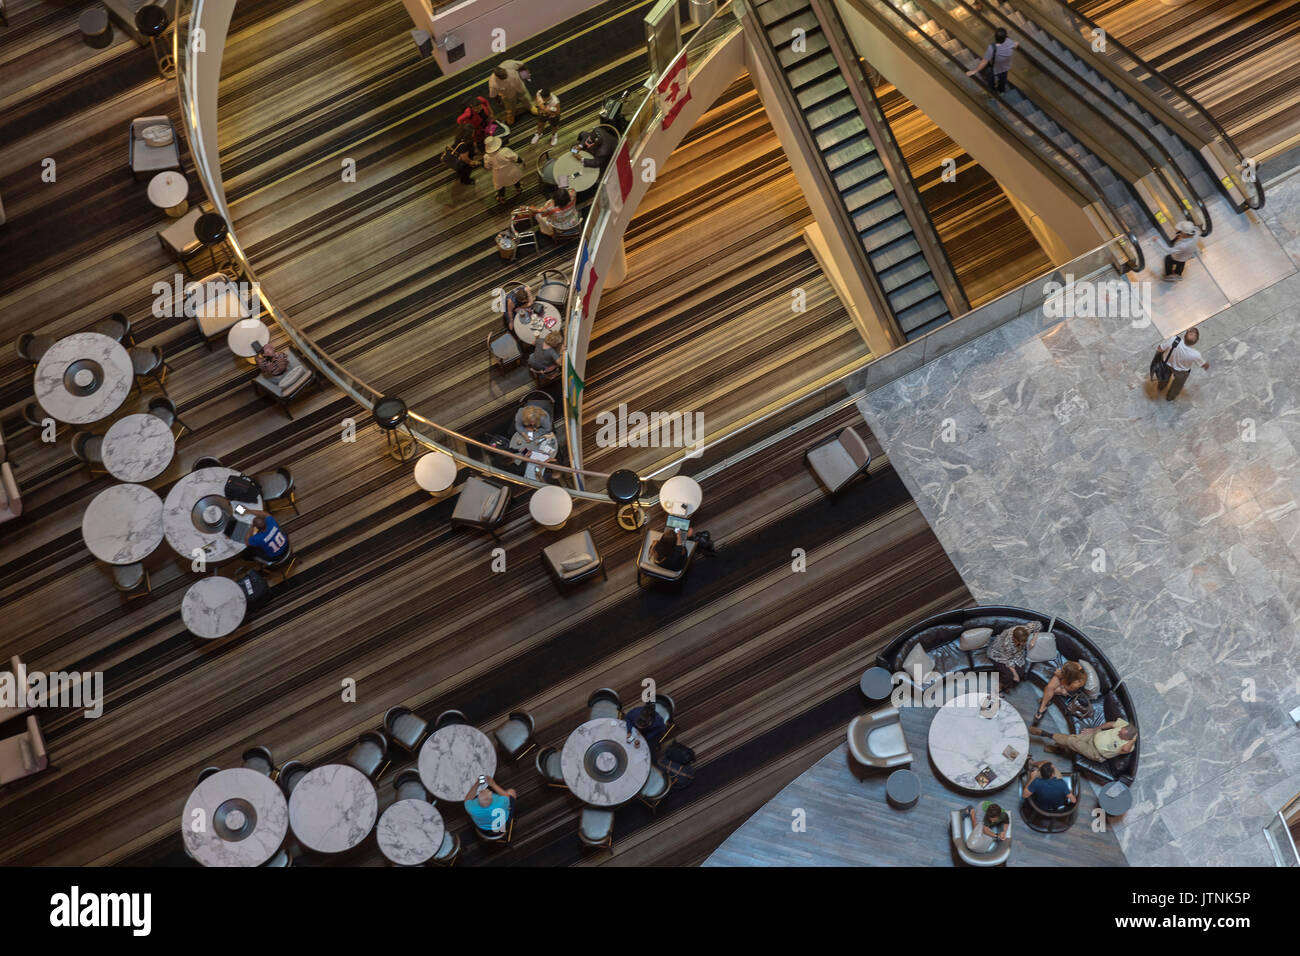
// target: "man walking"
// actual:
[[1181, 251], [999, 55], [1181, 358], [506, 86]]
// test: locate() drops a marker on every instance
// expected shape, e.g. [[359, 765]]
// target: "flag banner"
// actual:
[[619, 187], [673, 89]]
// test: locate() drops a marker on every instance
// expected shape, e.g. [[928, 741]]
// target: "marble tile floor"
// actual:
[[1057, 479]]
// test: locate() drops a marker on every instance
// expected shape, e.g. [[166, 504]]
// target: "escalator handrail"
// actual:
[[1184, 94], [896, 157], [1100, 196], [1092, 107]]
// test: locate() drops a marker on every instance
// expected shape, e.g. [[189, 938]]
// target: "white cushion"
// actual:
[[291, 376], [1044, 648], [489, 505], [158, 135], [575, 562], [1093, 684], [917, 657], [975, 638], [30, 763]]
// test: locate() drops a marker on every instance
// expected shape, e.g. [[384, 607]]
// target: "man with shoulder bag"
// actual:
[[1174, 361]]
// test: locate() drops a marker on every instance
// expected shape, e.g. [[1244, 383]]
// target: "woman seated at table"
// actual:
[[546, 354], [489, 807], [668, 552], [1069, 678], [521, 298], [531, 422], [560, 214]]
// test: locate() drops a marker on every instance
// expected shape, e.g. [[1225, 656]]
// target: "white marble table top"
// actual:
[[452, 759], [123, 524], [681, 496], [178, 518], [601, 767], [435, 471], [550, 506], [410, 832], [244, 333], [333, 808], [213, 607], [524, 330], [138, 447], [168, 189], [111, 367], [962, 742], [235, 817]]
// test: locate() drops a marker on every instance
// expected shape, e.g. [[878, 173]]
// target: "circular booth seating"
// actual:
[[940, 638]]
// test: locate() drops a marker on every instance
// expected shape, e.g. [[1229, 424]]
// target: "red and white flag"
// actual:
[[674, 91], [620, 187]]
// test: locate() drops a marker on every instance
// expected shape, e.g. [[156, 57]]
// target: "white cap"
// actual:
[[1187, 227]]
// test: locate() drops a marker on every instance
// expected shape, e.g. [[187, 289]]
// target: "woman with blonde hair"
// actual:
[[546, 353], [1069, 678]]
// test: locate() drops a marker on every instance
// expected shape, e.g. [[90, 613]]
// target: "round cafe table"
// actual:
[[681, 496], [963, 742], [235, 817], [550, 507], [138, 447], [83, 378], [195, 513], [601, 767], [170, 192], [333, 808], [123, 524], [452, 759], [244, 333], [410, 832], [213, 607], [581, 177], [523, 324], [435, 472]]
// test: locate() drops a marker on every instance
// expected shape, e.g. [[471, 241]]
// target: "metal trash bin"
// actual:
[[507, 248]]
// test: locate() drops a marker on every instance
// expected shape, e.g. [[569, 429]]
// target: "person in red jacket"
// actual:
[[478, 116]]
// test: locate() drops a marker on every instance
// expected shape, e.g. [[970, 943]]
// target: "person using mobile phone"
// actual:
[[490, 808], [267, 536]]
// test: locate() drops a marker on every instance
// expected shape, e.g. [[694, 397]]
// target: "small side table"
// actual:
[[550, 507], [1115, 798], [170, 191], [876, 684], [903, 789], [436, 472], [244, 333], [96, 31]]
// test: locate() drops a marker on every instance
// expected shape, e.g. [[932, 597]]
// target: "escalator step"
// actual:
[[828, 111], [813, 44], [819, 67], [862, 201], [862, 184], [888, 230], [899, 277], [888, 261], [861, 150], [916, 291], [782, 34], [774, 11], [820, 92], [841, 131], [931, 311]]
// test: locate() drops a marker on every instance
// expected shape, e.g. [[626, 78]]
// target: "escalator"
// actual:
[[915, 294], [1204, 151], [1136, 172]]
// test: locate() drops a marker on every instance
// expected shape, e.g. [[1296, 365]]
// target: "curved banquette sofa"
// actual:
[[939, 635]]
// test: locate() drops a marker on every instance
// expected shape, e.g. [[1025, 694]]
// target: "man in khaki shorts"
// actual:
[[1111, 739]]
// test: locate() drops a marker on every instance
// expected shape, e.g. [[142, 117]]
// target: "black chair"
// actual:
[[554, 288], [206, 461], [665, 707], [149, 363], [447, 853], [290, 774], [35, 416], [88, 449], [516, 735], [409, 786], [1052, 821], [281, 859], [405, 729], [548, 765], [131, 580], [449, 717], [151, 20], [117, 327], [211, 231], [596, 828], [259, 759], [277, 486], [542, 400], [655, 788], [542, 379], [282, 565], [503, 351], [207, 772], [32, 347], [369, 754], [164, 409], [605, 703], [497, 837], [623, 487]]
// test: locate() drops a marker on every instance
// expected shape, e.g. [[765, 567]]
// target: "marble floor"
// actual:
[[1057, 479]]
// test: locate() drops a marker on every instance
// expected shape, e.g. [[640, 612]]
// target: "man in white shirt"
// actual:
[[1181, 251], [998, 55], [1182, 358]]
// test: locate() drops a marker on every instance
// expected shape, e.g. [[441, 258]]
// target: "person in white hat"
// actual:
[[1181, 251], [506, 166]]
